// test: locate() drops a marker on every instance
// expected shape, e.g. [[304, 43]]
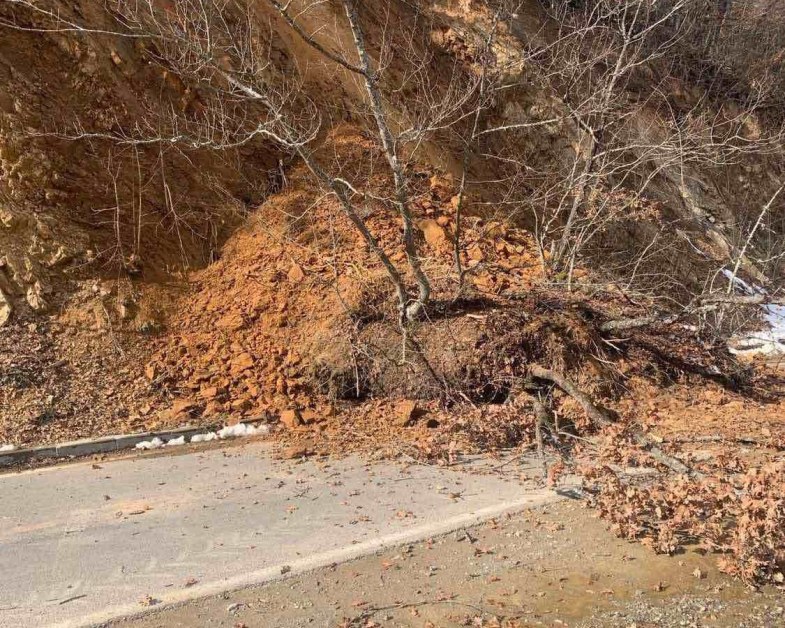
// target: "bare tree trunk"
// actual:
[[413, 310], [340, 190], [595, 130], [577, 204], [456, 245]]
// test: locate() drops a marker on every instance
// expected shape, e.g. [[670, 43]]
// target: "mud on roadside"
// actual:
[[553, 566]]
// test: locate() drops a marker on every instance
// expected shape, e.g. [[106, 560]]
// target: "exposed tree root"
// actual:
[[604, 418]]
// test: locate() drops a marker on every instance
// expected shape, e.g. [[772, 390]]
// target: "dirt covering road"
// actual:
[[552, 566]]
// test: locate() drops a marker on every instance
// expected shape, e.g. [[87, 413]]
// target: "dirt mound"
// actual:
[[97, 236], [298, 311]]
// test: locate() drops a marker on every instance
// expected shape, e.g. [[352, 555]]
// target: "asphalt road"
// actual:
[[81, 544]]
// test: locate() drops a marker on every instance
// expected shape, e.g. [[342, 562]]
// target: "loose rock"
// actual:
[[292, 418]]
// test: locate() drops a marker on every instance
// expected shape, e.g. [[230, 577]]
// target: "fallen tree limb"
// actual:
[[594, 413], [656, 319], [716, 438], [633, 323], [603, 417], [708, 303], [543, 416], [753, 299]]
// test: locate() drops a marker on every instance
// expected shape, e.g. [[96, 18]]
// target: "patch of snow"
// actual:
[[155, 443], [204, 438], [740, 283], [230, 431], [241, 429], [766, 341], [775, 316], [4, 448]]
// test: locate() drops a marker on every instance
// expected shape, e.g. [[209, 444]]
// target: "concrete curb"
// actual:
[[100, 445]]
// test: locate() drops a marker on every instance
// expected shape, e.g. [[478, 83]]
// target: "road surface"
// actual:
[[83, 543]]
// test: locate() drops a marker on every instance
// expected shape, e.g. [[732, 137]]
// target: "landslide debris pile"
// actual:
[[156, 283], [298, 310]]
